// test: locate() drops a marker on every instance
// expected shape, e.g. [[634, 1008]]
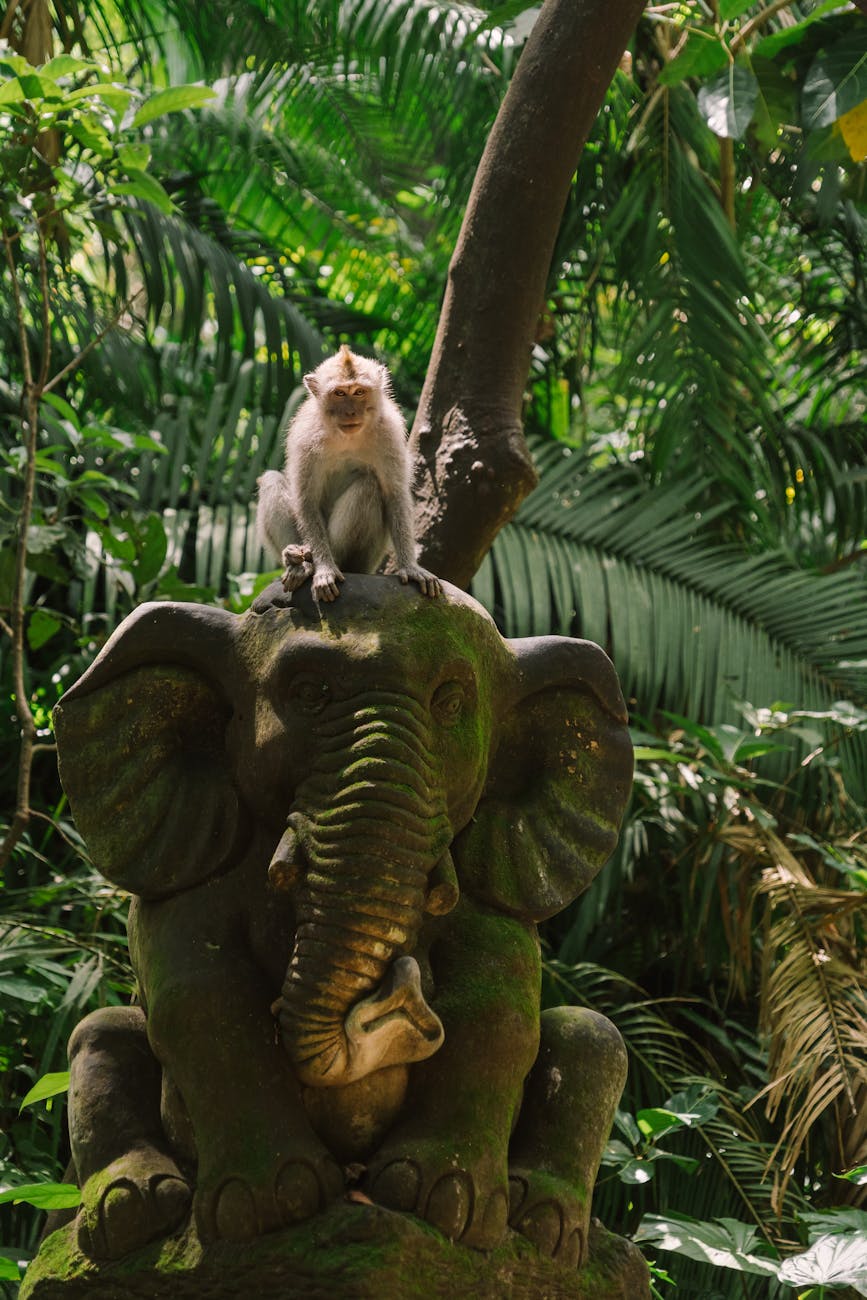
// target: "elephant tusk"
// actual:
[[286, 866], [443, 891]]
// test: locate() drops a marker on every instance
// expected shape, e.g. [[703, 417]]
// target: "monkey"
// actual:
[[344, 491]]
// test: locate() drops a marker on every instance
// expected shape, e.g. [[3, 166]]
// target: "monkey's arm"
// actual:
[[275, 523], [275, 527], [398, 513], [306, 488]]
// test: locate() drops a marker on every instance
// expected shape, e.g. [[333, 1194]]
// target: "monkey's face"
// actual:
[[351, 407]]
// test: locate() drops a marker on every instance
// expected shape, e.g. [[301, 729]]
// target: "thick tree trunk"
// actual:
[[474, 467]]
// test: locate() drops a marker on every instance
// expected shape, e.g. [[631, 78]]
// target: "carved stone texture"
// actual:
[[341, 827], [351, 1252]]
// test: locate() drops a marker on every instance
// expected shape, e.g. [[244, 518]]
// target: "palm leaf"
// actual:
[[694, 625], [814, 1001], [732, 1148]]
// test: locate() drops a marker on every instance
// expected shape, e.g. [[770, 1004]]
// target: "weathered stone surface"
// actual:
[[341, 826], [352, 1252]]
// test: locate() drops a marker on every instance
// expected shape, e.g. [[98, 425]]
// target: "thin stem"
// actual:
[[94, 342], [31, 410], [760, 19], [727, 179], [6, 25], [852, 558], [34, 390], [45, 313]]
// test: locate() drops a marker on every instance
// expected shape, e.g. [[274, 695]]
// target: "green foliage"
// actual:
[[835, 1259], [44, 1196], [702, 362], [694, 622]]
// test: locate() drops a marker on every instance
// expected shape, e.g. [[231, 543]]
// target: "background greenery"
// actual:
[[197, 203]]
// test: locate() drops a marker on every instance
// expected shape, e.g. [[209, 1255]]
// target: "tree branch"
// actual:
[[760, 19], [474, 465], [92, 343]]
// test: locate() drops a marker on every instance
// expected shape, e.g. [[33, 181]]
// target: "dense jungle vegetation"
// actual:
[[197, 203]]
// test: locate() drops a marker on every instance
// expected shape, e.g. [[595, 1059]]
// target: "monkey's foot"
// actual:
[[428, 582], [299, 566], [140, 1196], [295, 575], [325, 580], [547, 1211], [295, 554]]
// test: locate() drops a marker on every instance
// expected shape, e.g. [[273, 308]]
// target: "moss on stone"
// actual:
[[354, 1251]]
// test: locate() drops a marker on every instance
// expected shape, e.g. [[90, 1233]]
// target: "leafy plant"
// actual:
[[635, 1159], [701, 361], [835, 1259]]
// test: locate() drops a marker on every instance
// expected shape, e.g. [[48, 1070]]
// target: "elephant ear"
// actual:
[[142, 751], [558, 783]]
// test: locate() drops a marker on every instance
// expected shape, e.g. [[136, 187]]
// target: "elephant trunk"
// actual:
[[367, 836]]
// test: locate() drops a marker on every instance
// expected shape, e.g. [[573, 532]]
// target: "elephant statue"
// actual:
[[340, 827]]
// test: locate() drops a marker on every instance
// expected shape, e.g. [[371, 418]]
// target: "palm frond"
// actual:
[[192, 278], [732, 1148], [814, 1002], [694, 625]]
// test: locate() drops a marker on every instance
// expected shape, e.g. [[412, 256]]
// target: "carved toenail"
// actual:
[[298, 1191], [570, 1251], [450, 1204], [543, 1225], [398, 1185], [517, 1195], [235, 1217], [171, 1197]]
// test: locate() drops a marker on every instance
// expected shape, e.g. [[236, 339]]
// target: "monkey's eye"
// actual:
[[309, 693], [359, 392], [447, 703], [340, 392]]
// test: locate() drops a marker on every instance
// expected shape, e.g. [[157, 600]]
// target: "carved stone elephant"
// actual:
[[340, 827]]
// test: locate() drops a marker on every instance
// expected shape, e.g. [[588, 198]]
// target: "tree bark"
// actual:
[[474, 468]]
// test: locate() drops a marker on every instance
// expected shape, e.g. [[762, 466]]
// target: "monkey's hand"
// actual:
[[295, 575], [295, 554], [325, 580], [429, 583], [299, 566]]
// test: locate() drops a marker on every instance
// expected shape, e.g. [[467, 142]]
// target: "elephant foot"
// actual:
[[139, 1197], [547, 1211], [467, 1204], [233, 1207]]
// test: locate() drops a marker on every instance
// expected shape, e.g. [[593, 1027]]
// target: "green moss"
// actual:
[[355, 1251], [58, 1257]]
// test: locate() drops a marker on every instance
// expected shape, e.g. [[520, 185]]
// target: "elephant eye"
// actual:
[[310, 693], [447, 703]]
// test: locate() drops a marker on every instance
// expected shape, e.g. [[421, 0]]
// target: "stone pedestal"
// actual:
[[352, 1252]]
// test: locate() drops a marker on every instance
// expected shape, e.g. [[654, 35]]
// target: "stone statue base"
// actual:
[[353, 1251]]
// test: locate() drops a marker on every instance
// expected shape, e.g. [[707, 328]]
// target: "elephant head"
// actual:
[[390, 751]]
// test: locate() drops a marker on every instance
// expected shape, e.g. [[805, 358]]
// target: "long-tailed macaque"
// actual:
[[345, 487]]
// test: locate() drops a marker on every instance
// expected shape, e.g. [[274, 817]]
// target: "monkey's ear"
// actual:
[[311, 383]]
